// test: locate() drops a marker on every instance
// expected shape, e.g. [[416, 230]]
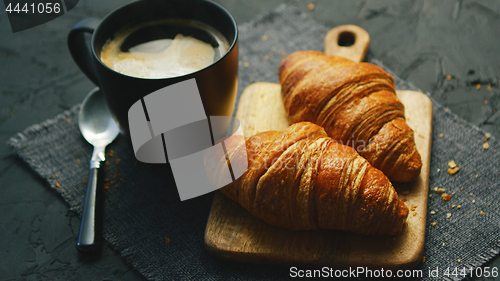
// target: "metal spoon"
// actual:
[[99, 129]]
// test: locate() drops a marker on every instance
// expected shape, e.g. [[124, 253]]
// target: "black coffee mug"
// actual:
[[217, 83]]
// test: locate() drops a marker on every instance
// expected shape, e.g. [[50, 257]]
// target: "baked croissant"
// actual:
[[302, 179], [357, 105]]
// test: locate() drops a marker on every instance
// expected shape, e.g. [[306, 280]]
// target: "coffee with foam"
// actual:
[[164, 57]]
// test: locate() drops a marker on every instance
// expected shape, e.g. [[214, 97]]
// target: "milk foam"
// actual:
[[160, 58]]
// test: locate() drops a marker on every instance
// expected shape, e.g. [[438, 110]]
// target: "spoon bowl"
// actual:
[[99, 129], [95, 121]]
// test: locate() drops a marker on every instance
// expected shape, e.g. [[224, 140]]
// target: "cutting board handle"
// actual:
[[349, 41]]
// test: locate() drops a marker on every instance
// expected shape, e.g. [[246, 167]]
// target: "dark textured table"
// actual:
[[448, 48]]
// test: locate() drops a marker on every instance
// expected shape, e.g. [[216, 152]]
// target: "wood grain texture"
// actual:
[[233, 234]]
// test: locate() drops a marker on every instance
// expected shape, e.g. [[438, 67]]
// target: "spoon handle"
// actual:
[[87, 237]]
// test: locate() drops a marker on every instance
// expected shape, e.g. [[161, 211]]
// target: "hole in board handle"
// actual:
[[346, 39]]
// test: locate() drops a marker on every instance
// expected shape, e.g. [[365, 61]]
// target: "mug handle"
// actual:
[[79, 49]]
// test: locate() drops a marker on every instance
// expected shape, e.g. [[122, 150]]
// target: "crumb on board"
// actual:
[[433, 223], [264, 38], [478, 86], [485, 101], [111, 153], [311, 6], [266, 57], [167, 240], [283, 53], [246, 64], [68, 120], [459, 206], [57, 175], [446, 109], [413, 207], [482, 213], [452, 164], [441, 135], [459, 260], [116, 175], [487, 135], [106, 186], [486, 145], [433, 212], [489, 88], [448, 215], [84, 181], [107, 163], [473, 201], [446, 197], [453, 206], [423, 259], [58, 185], [448, 77], [414, 213], [117, 160]]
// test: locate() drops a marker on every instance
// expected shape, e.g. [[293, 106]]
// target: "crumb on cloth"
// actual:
[[446, 197]]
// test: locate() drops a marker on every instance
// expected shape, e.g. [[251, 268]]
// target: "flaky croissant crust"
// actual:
[[357, 105], [302, 179]]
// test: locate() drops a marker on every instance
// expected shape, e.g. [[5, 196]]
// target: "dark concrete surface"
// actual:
[[422, 41]]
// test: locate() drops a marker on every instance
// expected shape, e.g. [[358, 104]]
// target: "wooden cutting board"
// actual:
[[233, 234]]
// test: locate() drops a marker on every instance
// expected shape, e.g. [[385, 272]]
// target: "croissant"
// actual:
[[357, 105], [302, 179]]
